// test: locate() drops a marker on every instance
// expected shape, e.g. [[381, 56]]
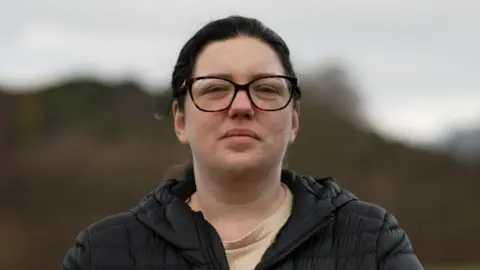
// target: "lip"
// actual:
[[240, 132]]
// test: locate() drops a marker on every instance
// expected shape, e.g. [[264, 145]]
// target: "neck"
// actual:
[[239, 199]]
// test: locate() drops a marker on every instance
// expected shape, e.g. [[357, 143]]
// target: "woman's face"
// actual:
[[240, 59]]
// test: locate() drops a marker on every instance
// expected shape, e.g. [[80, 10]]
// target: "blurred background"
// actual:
[[391, 109]]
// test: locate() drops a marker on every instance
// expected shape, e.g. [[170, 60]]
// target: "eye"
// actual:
[[216, 88], [211, 86], [266, 89]]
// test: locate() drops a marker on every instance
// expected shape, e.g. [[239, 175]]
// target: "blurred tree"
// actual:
[[29, 116], [333, 88]]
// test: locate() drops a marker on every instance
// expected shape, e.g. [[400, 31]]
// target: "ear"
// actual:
[[179, 122], [295, 122]]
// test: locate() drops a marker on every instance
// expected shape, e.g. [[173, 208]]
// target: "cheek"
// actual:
[[279, 126], [200, 128]]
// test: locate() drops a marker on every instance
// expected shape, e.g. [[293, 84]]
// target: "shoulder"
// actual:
[[381, 230], [345, 203], [357, 213], [353, 215], [380, 233], [111, 226], [357, 217], [108, 237]]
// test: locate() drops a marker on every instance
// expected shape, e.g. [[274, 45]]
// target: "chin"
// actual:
[[240, 161]]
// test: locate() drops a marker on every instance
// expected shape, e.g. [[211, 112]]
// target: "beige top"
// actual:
[[245, 253]]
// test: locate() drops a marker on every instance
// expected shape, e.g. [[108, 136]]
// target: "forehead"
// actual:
[[240, 57]]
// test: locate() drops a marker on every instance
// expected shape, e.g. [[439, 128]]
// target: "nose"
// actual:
[[241, 106]]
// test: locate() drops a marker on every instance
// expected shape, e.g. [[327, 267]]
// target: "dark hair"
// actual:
[[223, 29], [219, 30]]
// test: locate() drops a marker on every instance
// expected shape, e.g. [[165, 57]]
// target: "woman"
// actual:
[[235, 104]]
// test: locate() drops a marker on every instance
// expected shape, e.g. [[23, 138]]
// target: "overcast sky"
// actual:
[[417, 62]]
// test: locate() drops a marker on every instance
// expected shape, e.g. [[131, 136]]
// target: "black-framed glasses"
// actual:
[[268, 93]]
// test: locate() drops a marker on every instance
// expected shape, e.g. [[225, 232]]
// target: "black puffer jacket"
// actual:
[[329, 229]]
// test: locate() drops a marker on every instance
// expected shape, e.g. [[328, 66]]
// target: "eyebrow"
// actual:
[[251, 77]]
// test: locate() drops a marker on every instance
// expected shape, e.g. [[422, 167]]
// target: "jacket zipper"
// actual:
[[211, 254], [300, 242], [202, 223]]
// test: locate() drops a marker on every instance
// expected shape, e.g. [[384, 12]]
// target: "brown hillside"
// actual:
[[81, 150]]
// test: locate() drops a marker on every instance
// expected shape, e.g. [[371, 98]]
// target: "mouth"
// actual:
[[240, 132]]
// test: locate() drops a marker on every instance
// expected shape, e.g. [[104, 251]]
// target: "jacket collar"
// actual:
[[166, 213]]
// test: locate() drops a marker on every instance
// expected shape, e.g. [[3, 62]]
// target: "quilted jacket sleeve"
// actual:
[[77, 257], [394, 250]]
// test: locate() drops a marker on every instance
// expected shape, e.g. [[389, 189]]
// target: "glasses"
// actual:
[[268, 93]]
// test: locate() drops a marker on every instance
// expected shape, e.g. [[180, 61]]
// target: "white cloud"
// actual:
[[424, 121], [146, 56], [53, 38]]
